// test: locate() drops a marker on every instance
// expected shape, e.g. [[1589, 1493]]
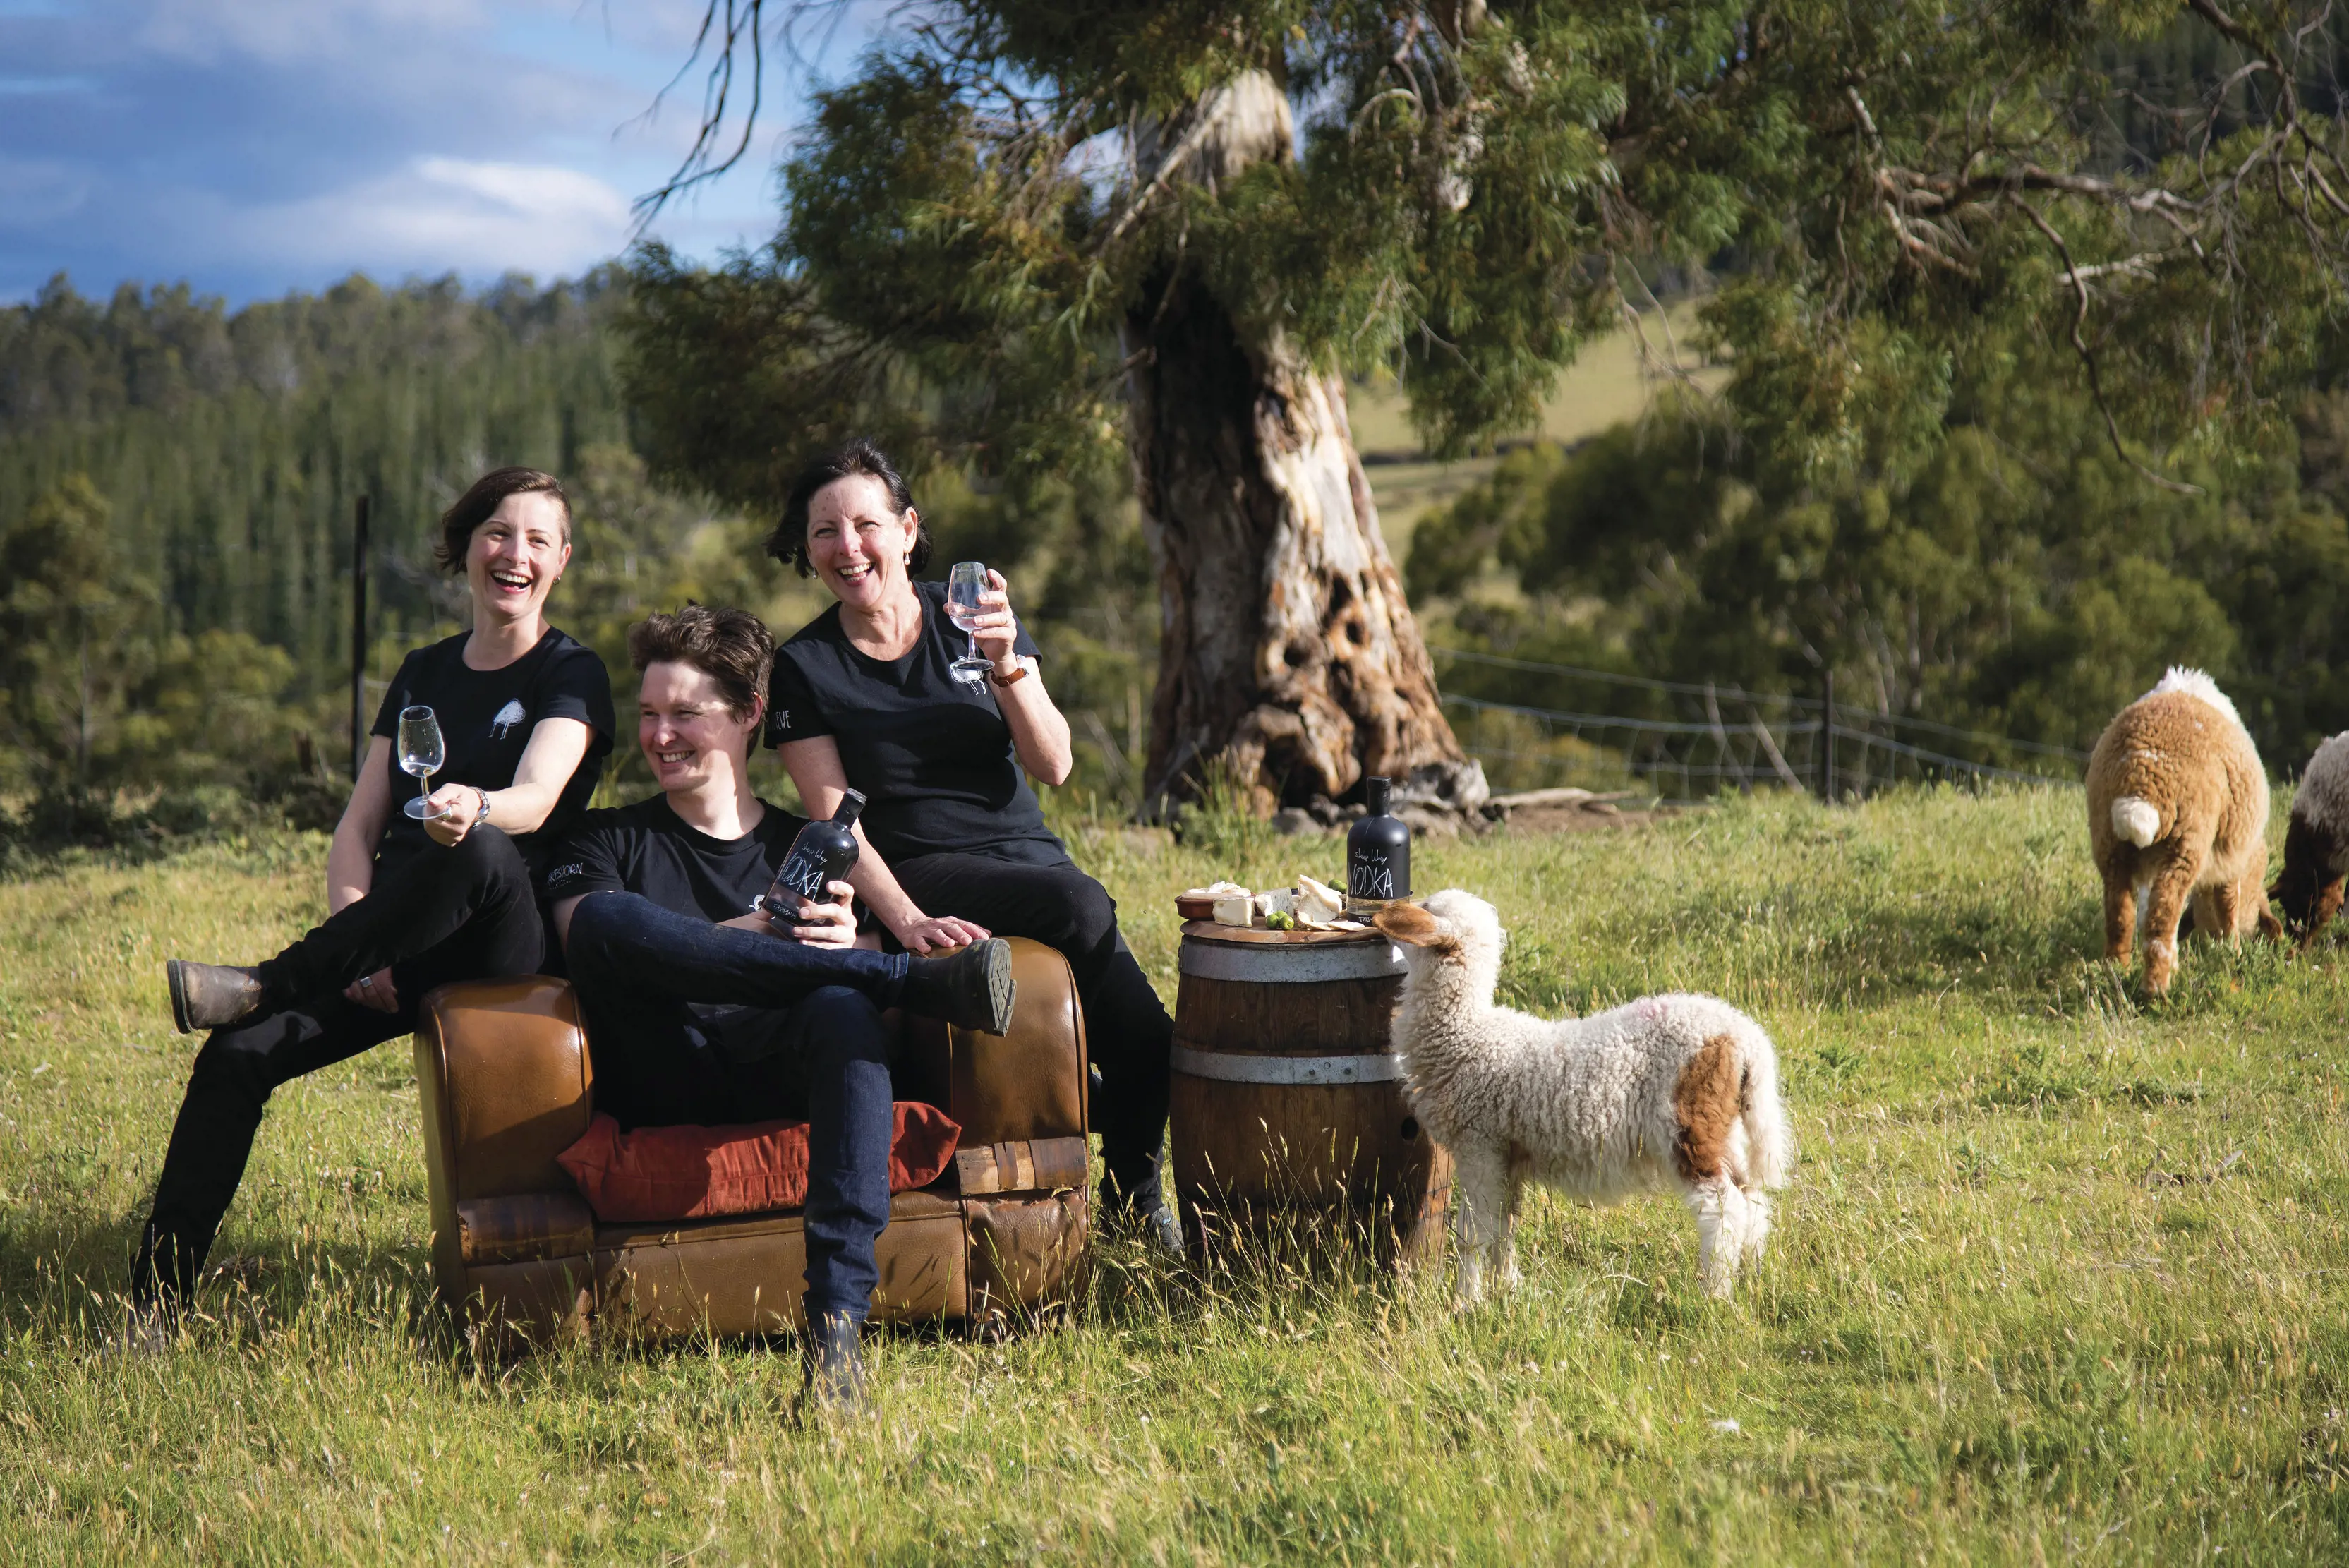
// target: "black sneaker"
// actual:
[[971, 990], [211, 995]]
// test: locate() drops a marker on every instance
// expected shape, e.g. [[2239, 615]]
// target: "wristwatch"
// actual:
[[1012, 678]]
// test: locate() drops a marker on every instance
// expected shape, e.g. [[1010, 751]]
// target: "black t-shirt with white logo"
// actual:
[[486, 718], [932, 754], [647, 848]]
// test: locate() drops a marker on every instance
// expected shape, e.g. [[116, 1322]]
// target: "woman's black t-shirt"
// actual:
[[647, 848], [486, 718], [932, 754]]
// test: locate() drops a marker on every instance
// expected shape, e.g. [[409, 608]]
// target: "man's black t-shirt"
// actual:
[[486, 717], [647, 848], [932, 754]]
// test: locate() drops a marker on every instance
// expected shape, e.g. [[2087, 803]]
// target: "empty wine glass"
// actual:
[[965, 583], [421, 753]]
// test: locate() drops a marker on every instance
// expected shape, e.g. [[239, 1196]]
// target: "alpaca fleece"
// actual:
[[2316, 844], [1676, 1091], [2177, 811]]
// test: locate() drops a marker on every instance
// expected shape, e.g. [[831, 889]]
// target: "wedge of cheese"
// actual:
[[1318, 903], [1238, 909]]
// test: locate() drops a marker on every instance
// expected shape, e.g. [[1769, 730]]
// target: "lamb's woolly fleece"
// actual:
[[2195, 683], [1586, 1105], [2178, 812], [2322, 798]]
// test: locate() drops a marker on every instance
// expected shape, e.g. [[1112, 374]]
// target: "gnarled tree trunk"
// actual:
[[1285, 646]]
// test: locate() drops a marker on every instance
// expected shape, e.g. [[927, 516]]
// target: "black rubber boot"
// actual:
[[1156, 1228], [971, 990], [832, 1364], [206, 996]]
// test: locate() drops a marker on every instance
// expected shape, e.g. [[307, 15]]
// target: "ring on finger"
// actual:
[[367, 982]]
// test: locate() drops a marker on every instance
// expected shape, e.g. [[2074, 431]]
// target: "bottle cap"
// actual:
[[850, 803], [1376, 793]]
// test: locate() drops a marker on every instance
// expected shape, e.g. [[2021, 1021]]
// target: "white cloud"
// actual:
[[451, 213]]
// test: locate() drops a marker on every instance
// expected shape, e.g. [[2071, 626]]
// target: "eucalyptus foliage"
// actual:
[[979, 224]]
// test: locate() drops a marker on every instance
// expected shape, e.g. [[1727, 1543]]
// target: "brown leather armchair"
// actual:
[[506, 1075]]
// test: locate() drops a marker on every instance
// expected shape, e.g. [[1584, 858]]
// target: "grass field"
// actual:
[[2061, 1277]]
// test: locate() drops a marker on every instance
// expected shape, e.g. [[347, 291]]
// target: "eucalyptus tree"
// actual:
[[1027, 233]]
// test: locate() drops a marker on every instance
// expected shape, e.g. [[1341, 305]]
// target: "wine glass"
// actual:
[[965, 583], [421, 753]]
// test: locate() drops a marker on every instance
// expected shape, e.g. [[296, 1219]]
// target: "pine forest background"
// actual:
[[177, 483]]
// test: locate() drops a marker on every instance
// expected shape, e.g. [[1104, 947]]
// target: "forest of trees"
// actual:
[[177, 484]]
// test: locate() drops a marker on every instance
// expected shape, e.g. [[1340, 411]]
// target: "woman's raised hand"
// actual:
[[996, 629], [929, 931]]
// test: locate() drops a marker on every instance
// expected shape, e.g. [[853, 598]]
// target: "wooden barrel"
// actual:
[[1286, 1095]]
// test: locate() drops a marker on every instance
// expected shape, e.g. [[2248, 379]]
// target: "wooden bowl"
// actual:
[[1195, 908]]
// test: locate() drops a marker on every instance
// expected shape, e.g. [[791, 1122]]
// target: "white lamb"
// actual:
[[1669, 1091]]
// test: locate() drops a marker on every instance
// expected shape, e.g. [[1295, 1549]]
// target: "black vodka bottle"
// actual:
[[823, 853], [1378, 849]]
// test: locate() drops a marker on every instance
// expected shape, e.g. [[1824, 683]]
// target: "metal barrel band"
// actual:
[[1227, 1068], [1293, 963]]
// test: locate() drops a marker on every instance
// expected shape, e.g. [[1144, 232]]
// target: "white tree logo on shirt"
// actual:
[[508, 717]]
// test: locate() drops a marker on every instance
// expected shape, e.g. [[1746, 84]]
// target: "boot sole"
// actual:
[[1002, 990], [177, 981]]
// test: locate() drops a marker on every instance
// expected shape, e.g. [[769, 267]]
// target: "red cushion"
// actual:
[[694, 1173]]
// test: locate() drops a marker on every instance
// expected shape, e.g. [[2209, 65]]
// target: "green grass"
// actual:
[[2060, 1277]]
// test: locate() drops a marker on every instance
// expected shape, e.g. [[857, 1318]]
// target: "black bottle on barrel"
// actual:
[[1378, 848], [823, 853]]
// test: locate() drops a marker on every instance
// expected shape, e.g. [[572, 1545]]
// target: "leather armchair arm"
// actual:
[[1030, 1082], [503, 1071]]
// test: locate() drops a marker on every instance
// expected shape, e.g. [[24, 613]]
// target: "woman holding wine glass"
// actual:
[[498, 734], [936, 725]]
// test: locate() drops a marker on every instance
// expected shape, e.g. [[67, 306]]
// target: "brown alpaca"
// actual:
[[2178, 806]]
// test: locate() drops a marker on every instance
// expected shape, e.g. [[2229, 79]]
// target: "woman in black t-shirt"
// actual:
[[956, 846], [526, 716]]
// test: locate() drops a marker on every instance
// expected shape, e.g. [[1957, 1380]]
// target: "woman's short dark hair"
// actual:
[[789, 541], [732, 646], [473, 509]]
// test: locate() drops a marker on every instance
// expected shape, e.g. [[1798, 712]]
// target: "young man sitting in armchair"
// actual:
[[708, 1008]]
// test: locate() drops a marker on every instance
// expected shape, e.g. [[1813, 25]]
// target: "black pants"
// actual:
[[696, 1024], [1127, 1031], [433, 917]]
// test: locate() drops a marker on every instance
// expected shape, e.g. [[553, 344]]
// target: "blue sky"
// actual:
[[250, 147]]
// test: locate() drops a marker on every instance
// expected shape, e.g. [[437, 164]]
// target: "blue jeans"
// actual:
[[694, 1024]]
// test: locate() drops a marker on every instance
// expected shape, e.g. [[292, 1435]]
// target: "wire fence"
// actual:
[[1697, 740]]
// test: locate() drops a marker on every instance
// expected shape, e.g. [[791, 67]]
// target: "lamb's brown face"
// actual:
[[2309, 854]]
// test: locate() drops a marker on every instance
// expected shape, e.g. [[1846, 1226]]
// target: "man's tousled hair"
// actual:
[[732, 646]]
